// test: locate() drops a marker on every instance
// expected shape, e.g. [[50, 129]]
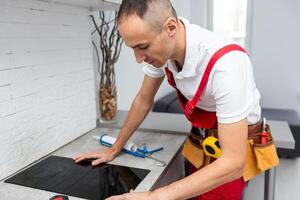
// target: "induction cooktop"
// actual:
[[62, 175]]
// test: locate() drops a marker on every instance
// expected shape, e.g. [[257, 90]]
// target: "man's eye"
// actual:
[[143, 47]]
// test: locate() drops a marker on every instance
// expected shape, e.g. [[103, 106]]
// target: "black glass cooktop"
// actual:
[[62, 175]]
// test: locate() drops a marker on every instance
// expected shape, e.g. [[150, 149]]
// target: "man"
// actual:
[[228, 98]]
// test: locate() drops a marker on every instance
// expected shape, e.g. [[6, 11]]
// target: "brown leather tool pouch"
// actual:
[[193, 150], [193, 154], [260, 157]]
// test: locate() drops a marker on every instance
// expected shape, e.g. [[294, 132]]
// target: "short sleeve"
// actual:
[[233, 87], [153, 71]]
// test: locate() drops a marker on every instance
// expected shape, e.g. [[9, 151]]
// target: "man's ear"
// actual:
[[171, 26]]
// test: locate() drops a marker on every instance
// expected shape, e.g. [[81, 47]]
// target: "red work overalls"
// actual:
[[204, 119]]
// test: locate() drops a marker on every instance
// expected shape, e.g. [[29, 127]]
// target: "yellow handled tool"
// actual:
[[211, 147]]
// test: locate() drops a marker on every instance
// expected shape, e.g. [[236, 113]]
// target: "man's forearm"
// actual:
[[211, 176], [233, 141], [137, 113]]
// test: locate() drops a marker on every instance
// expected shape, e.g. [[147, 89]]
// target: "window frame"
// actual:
[[249, 16]]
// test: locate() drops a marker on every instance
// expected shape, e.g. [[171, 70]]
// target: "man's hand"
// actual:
[[99, 156]]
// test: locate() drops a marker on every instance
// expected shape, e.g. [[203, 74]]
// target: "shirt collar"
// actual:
[[191, 52]]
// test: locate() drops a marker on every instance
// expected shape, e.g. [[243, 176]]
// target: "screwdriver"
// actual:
[[264, 135], [159, 163], [142, 155]]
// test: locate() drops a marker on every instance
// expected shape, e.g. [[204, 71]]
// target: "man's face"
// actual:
[[149, 45]]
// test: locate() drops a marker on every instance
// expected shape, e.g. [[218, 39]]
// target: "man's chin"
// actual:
[[156, 64]]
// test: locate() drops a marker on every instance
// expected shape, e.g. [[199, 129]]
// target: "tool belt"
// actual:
[[260, 157]]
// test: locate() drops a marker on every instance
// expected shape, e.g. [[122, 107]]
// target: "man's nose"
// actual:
[[139, 56]]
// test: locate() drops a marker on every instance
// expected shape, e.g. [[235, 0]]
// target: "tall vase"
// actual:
[[108, 102], [107, 45]]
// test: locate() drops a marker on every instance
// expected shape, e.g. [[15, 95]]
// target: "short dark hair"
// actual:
[[140, 8]]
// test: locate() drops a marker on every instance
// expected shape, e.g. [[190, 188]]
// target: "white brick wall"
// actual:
[[47, 94]]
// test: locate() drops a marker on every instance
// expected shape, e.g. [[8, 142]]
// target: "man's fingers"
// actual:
[[86, 157], [98, 157], [98, 161], [77, 157], [80, 156], [80, 159]]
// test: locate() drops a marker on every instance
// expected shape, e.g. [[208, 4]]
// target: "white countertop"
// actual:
[[170, 142]]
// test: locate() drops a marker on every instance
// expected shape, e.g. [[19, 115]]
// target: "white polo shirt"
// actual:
[[230, 92]]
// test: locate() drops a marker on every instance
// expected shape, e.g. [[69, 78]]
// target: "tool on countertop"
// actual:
[[147, 155], [132, 149], [107, 140]]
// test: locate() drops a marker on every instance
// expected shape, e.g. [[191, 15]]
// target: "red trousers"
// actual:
[[229, 191]]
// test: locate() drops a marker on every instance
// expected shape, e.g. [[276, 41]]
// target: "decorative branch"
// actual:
[[110, 43]]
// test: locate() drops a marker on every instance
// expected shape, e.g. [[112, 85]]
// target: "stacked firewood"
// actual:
[[108, 102]]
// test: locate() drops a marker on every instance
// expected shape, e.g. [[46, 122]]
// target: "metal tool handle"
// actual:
[[160, 162]]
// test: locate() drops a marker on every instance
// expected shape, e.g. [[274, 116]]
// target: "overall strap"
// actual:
[[216, 56]]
